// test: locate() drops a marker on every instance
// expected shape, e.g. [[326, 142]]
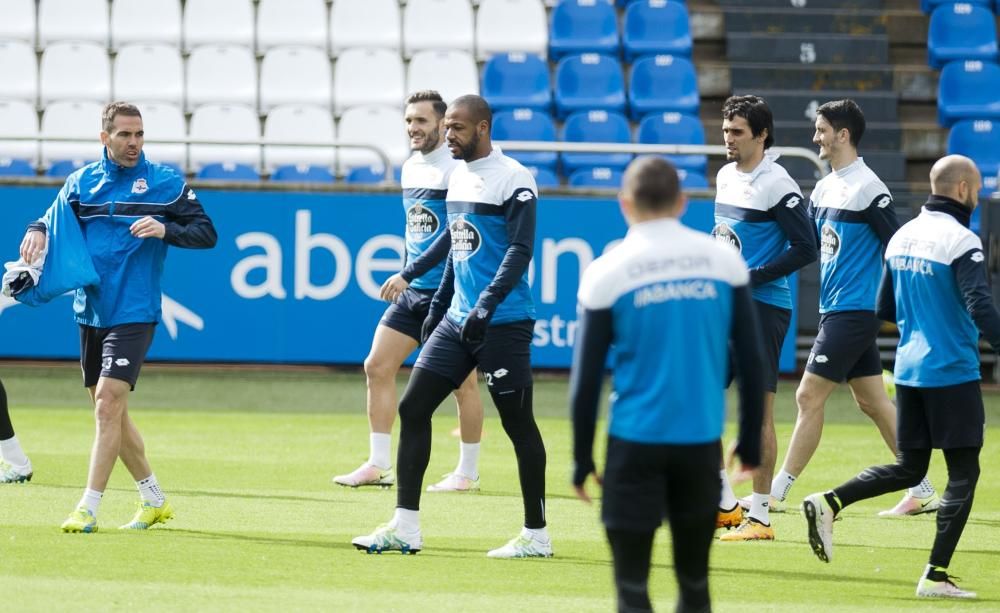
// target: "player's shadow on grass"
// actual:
[[785, 574], [254, 496], [263, 540]]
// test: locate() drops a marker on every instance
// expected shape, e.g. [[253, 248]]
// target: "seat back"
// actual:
[[295, 75], [134, 65]]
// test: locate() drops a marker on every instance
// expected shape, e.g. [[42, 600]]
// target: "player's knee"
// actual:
[[808, 399], [378, 369]]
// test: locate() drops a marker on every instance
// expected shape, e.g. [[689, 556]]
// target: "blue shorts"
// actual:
[[773, 322], [950, 417], [846, 346], [115, 353], [407, 314], [504, 356]]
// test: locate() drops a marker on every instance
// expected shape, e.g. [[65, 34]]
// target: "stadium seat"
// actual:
[[961, 31], [302, 173], [437, 24], [18, 118], [218, 22], [60, 169], [977, 139], [595, 127], [544, 177], [526, 124], [131, 20], [369, 174], [583, 26], [663, 83], [18, 21], [928, 6], [72, 20], [691, 179], [968, 90], [18, 71], [221, 74], [451, 73], [517, 80], [367, 76], [364, 23], [503, 26], [298, 124], [71, 120], [228, 171], [74, 71], [589, 82], [675, 129], [164, 121], [656, 27], [599, 176], [135, 63], [291, 22], [295, 75], [16, 168], [227, 123], [381, 126]]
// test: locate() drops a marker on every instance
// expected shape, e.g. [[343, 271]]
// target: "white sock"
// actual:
[[781, 485], [468, 460], [150, 491], [91, 500], [759, 508], [379, 455], [924, 489], [728, 500], [11, 452], [406, 520], [539, 534]]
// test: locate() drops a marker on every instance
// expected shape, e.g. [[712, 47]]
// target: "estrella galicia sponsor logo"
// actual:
[[724, 233], [421, 223], [465, 239], [829, 243]]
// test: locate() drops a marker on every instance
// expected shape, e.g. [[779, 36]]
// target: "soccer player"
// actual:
[[425, 185], [934, 288], [15, 467], [482, 315], [759, 210], [130, 210], [854, 218], [670, 300]]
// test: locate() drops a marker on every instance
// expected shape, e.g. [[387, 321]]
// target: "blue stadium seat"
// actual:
[[663, 83], [675, 129], [16, 168], [589, 82], [625, 3], [691, 179], [599, 176], [369, 174], [977, 139], [544, 177], [968, 89], [526, 124], [64, 168], [583, 26], [595, 127], [656, 27], [517, 80], [961, 31], [228, 171], [291, 173], [928, 6]]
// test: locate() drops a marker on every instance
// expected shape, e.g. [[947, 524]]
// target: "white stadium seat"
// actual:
[[451, 73], [18, 20], [291, 22], [18, 118], [164, 121], [18, 71], [223, 74], [131, 22], [228, 123], [134, 66], [364, 23], [367, 76], [218, 22], [295, 75], [76, 20], [72, 120], [381, 126], [74, 71], [298, 123], [503, 26], [437, 24]]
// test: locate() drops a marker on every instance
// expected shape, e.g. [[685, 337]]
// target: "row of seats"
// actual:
[[978, 139], [929, 6], [961, 31]]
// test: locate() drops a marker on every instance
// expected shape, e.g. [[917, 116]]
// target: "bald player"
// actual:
[[934, 288]]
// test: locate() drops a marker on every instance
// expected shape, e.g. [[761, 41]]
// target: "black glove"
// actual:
[[430, 323], [581, 470], [474, 328]]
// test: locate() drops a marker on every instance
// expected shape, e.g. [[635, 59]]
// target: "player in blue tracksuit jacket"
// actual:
[[482, 315], [670, 301], [129, 210], [934, 288]]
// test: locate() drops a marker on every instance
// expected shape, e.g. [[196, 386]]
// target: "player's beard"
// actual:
[[469, 149], [431, 141]]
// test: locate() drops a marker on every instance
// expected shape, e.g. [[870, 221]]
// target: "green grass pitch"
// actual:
[[246, 458]]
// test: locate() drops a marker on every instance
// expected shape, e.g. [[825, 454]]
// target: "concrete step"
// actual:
[[804, 5], [816, 77], [821, 21], [807, 48], [788, 105]]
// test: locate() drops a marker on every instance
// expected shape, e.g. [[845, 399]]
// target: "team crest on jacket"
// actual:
[[465, 239], [140, 186], [421, 223], [724, 233], [829, 243]]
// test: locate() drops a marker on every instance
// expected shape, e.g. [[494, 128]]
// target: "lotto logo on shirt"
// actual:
[[421, 223], [829, 243], [724, 233], [465, 239]]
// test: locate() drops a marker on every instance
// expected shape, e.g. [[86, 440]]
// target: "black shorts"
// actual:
[[774, 322], [846, 346], [504, 356], [641, 480], [117, 352], [947, 417], [407, 314]]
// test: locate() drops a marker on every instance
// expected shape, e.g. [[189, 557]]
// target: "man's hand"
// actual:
[[32, 245], [580, 475], [430, 323], [147, 227], [393, 288], [474, 328]]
